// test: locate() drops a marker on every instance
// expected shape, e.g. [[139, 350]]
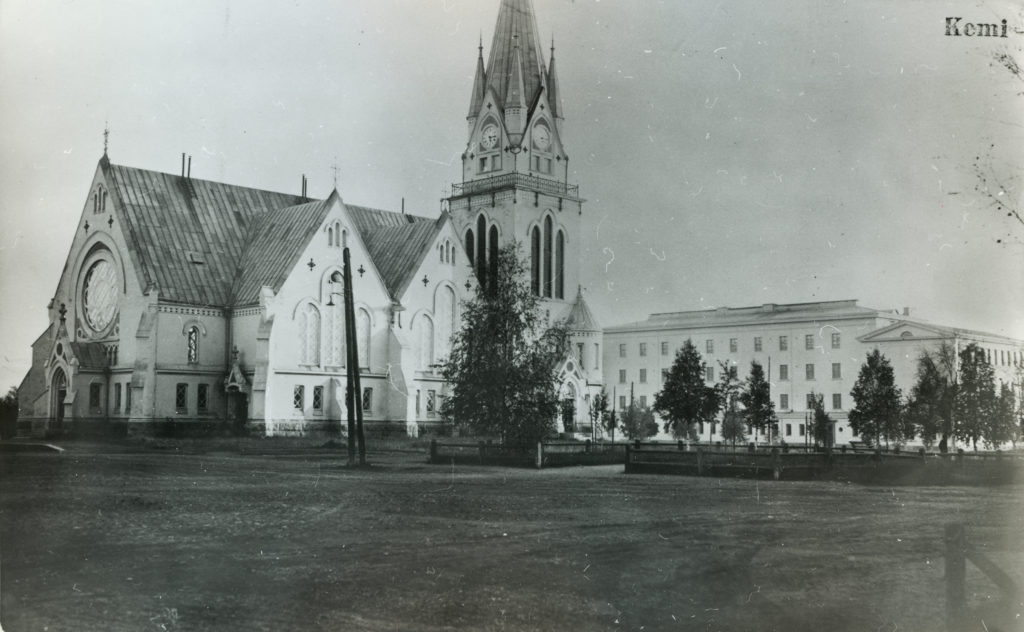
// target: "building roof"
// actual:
[[90, 355], [580, 317], [766, 314], [275, 243], [199, 242], [171, 222], [516, 27]]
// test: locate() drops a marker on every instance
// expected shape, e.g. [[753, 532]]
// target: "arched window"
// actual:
[[493, 243], [481, 251], [335, 329], [535, 260], [309, 335], [560, 265], [330, 235], [547, 257], [193, 345], [445, 312], [470, 248], [425, 341], [363, 336]]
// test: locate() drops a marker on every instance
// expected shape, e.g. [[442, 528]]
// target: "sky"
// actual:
[[730, 154]]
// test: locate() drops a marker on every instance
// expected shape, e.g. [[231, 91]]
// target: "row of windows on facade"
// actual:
[[96, 397], [547, 256], [1002, 357], [580, 348], [709, 373], [299, 398], [810, 343], [837, 401]]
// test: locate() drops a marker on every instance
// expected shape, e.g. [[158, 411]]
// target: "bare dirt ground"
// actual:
[[132, 539]]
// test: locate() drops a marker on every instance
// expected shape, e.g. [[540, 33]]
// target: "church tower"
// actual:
[[515, 188], [515, 165]]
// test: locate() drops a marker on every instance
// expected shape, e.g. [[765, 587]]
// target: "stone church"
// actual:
[[198, 305]]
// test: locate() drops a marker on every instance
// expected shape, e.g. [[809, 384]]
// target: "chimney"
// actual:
[[189, 174], [906, 311], [182, 164], [403, 206]]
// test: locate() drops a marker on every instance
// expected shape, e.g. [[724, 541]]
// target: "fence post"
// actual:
[[540, 455], [956, 571], [433, 450], [776, 463]]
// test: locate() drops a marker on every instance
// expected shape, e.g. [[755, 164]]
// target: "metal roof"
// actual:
[[581, 318], [517, 24], [766, 314]]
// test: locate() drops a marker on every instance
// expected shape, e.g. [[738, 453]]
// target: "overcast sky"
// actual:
[[731, 154]]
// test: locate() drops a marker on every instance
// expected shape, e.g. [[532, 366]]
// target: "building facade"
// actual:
[[806, 349], [197, 303]]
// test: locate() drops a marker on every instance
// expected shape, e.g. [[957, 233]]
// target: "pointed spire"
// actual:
[[476, 99], [554, 96], [516, 28], [515, 101]]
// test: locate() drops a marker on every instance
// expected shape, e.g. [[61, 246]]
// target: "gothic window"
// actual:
[[470, 248], [431, 402], [203, 398], [309, 335], [299, 397], [193, 345], [425, 334], [493, 247], [363, 336], [560, 265], [579, 353], [535, 262], [440, 252], [181, 397], [117, 397], [335, 331], [367, 399], [547, 257], [330, 236], [445, 312], [481, 251]]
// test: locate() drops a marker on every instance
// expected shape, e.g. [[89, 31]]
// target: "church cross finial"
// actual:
[[106, 137], [335, 169]]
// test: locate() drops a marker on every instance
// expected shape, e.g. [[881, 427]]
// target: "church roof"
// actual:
[[171, 223], [90, 355], [580, 317], [275, 243], [397, 243], [516, 25]]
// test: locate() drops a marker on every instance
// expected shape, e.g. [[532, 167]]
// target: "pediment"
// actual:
[[906, 330]]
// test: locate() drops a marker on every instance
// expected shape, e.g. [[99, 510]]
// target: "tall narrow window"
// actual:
[[757, 344], [117, 397], [363, 337], [128, 398], [426, 342], [193, 345], [309, 335], [318, 399], [445, 327], [481, 251], [299, 397], [431, 401], [809, 342], [547, 257], [470, 247], [783, 343], [560, 265], [492, 246], [836, 340], [335, 332], [203, 398], [181, 398], [367, 399], [535, 263]]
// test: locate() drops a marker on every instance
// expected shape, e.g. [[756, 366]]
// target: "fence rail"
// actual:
[[544, 454]]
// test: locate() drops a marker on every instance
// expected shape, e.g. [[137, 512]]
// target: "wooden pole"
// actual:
[[351, 362], [350, 326]]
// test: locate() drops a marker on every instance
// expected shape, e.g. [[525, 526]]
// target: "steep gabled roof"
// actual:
[[172, 223], [275, 243], [580, 317], [397, 243]]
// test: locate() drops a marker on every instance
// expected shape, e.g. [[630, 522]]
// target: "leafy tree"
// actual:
[[611, 422], [930, 405], [639, 423], [976, 397], [9, 413], [599, 409], [876, 414], [685, 400], [1002, 423], [729, 390], [502, 363], [821, 422], [756, 397]]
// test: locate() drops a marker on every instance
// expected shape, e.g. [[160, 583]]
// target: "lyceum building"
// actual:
[[806, 349]]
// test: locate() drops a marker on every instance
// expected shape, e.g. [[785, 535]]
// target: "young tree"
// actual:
[[599, 409], [821, 422], [1002, 423], [639, 423], [976, 397], [502, 363], [611, 422], [756, 397], [684, 400], [729, 390], [876, 414], [930, 405]]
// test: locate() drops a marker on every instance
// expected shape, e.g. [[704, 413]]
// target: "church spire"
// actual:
[[554, 97], [515, 101], [516, 28], [476, 100]]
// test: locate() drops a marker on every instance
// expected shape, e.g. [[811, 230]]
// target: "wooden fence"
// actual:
[[544, 454], [958, 551]]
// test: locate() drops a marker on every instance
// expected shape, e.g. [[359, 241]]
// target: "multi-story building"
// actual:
[[806, 349]]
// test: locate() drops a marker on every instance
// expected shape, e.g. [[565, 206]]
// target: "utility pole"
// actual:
[[354, 386]]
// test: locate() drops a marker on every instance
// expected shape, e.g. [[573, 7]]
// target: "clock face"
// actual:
[[99, 295], [541, 137], [489, 137]]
